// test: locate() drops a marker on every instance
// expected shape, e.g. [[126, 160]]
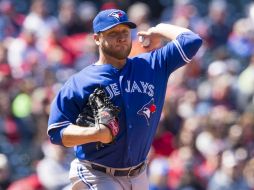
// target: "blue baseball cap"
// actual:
[[109, 18]]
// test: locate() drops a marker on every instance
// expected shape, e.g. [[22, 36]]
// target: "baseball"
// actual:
[[144, 41]]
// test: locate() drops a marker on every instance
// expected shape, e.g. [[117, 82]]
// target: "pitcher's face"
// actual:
[[116, 42]]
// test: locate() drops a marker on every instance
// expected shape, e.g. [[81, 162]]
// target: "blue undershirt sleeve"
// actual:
[[55, 135]]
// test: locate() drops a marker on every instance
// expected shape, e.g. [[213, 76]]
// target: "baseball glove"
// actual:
[[100, 110], [86, 117]]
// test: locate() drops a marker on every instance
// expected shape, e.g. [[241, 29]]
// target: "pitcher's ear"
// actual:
[[96, 38]]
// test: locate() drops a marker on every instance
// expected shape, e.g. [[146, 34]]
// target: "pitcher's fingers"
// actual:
[[143, 33]]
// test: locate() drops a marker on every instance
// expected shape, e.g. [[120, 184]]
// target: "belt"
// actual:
[[130, 172]]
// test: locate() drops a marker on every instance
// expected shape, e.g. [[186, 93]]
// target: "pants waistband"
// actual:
[[118, 172]]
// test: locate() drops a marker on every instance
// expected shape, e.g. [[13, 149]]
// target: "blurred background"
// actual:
[[205, 138]]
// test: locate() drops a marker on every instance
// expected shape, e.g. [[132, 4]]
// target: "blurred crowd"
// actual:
[[205, 138]]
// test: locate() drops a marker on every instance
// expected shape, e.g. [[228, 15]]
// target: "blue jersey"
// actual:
[[138, 89]]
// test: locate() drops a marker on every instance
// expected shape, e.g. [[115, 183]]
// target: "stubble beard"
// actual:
[[116, 54]]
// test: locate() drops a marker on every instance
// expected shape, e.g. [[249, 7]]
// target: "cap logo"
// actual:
[[116, 14]]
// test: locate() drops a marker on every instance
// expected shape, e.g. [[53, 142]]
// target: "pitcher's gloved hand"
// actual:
[[104, 111], [100, 110], [86, 118]]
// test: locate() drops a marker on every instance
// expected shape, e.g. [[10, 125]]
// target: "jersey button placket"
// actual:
[[129, 149]]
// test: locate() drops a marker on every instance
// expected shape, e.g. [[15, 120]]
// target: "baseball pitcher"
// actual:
[[109, 111]]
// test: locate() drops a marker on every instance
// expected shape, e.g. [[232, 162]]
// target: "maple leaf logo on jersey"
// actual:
[[147, 110], [116, 14]]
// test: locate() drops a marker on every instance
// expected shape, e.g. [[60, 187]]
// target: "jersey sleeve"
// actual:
[[180, 51], [64, 110], [177, 52]]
